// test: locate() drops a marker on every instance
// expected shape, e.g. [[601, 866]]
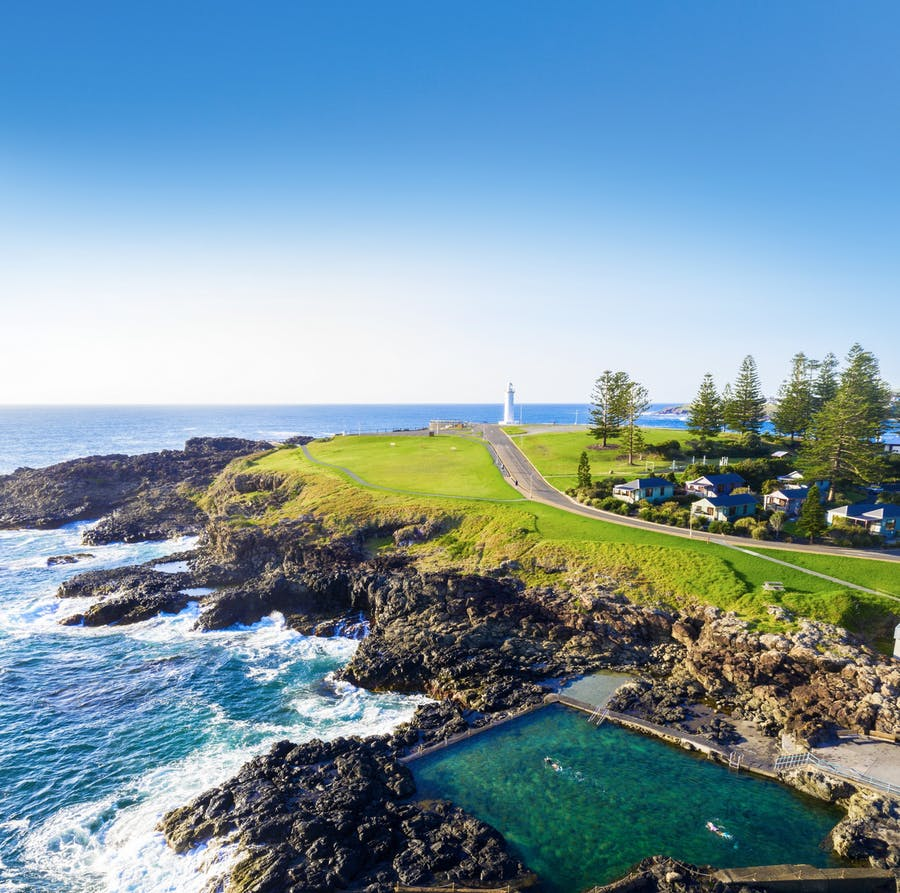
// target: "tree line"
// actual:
[[837, 415]]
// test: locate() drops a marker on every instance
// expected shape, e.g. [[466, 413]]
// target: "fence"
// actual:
[[798, 760]]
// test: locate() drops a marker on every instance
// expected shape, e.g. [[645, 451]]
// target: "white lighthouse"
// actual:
[[509, 415]]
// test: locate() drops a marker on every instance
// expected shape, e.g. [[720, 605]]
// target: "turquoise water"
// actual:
[[616, 797]]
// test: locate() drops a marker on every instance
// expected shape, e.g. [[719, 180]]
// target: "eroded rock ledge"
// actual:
[[325, 816], [141, 497]]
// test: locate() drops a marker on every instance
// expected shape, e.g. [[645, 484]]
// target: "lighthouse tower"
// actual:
[[508, 406]]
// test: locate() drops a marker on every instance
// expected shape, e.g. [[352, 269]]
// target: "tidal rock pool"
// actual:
[[581, 804]]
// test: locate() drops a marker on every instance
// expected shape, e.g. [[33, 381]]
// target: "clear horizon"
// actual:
[[310, 204]]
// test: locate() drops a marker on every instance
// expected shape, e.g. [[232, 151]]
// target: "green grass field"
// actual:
[[549, 545], [445, 465], [556, 454]]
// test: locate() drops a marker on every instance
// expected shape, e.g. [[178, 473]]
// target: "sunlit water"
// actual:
[[103, 730], [581, 804]]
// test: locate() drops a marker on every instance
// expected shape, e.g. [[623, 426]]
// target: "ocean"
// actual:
[[36, 436], [104, 730]]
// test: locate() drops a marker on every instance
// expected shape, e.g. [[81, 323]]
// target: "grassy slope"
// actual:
[[556, 455], [551, 545]]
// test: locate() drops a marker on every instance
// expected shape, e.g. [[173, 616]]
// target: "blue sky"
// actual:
[[316, 202]]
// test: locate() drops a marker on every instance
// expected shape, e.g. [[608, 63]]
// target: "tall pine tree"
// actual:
[[745, 411], [705, 413], [841, 445], [826, 382], [608, 405], [812, 515], [796, 399]]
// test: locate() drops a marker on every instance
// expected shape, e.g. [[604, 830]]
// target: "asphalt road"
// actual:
[[529, 482]]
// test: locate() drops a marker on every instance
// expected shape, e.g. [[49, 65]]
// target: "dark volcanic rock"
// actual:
[[325, 816], [125, 595], [146, 493], [55, 560]]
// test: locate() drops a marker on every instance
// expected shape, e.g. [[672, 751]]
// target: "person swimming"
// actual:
[[553, 764], [721, 832]]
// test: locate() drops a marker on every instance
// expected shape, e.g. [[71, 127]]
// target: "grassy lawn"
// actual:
[[544, 544], [445, 465], [556, 454], [881, 575]]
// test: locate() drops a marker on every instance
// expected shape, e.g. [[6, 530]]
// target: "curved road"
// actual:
[[529, 482]]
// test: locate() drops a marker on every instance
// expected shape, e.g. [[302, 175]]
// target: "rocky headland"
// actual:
[[141, 497], [344, 814]]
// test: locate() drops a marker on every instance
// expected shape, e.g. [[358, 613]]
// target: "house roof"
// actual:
[[791, 476], [791, 492], [873, 511], [641, 483], [731, 499], [780, 454], [716, 480]]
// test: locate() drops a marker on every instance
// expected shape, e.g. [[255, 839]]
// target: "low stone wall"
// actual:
[[807, 879]]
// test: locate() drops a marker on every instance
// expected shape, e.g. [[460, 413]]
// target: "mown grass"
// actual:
[[445, 465], [881, 575], [556, 454], [542, 544]]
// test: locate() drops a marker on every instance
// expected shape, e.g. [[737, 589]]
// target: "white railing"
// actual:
[[796, 760]]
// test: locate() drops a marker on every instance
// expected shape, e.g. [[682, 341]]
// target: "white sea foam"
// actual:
[[109, 844], [112, 842]]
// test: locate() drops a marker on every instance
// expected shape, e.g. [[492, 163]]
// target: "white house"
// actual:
[[652, 489], [715, 484], [725, 508], [787, 499], [792, 479], [880, 518], [892, 445]]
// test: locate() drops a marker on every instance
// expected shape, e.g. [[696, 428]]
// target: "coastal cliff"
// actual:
[[134, 497], [483, 644]]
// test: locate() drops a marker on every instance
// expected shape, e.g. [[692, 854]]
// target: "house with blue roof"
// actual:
[[652, 489], [787, 500], [725, 508], [880, 518], [715, 484]]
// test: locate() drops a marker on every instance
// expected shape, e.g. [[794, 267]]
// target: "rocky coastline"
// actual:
[[343, 815]]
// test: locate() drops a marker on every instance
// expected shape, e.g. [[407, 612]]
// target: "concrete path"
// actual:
[[864, 756]]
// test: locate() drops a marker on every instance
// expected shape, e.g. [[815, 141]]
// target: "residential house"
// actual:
[[880, 518], [892, 445], [725, 508], [792, 479], [651, 489], [787, 500], [715, 484], [780, 454]]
